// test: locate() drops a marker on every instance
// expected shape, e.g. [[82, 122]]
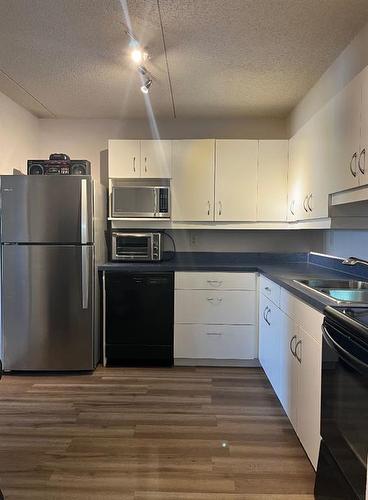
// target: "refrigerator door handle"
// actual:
[[84, 212], [85, 277]]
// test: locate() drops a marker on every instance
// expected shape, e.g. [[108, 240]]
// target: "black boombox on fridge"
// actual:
[[58, 164]]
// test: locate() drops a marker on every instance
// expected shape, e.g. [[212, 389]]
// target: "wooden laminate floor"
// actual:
[[149, 434]]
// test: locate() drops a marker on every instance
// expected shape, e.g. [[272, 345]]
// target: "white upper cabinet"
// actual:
[[345, 136], [362, 158], [156, 157], [236, 180], [193, 180], [328, 154], [124, 158], [320, 166], [135, 158], [272, 180], [310, 169], [296, 178]]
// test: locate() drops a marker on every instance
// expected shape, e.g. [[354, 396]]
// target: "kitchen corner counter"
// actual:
[[280, 268]]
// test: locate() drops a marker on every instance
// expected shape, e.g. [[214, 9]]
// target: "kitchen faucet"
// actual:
[[352, 261]]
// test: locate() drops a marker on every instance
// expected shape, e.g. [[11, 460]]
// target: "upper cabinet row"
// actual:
[[212, 180], [328, 154], [251, 180]]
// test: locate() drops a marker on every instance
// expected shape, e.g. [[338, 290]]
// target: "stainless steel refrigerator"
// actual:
[[49, 287]]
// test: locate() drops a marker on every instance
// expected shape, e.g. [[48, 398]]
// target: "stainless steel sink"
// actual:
[[340, 291]]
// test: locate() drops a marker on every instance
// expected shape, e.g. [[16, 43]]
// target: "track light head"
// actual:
[[147, 84], [142, 70]]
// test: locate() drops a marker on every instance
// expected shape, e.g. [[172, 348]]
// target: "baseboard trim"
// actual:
[[247, 363]]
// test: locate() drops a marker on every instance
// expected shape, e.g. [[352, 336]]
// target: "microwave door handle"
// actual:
[[151, 246], [156, 209], [343, 353]]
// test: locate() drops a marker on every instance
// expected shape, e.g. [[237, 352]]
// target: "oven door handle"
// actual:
[[343, 353]]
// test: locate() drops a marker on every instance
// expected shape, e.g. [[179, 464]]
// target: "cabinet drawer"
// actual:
[[305, 316], [288, 303], [270, 290], [233, 307], [217, 281], [215, 341]]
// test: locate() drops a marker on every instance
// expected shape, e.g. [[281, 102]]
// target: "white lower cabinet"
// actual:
[[309, 395], [290, 352], [215, 316], [269, 340], [289, 368]]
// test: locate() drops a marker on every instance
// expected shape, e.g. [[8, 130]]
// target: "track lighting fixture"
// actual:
[[147, 84], [138, 56]]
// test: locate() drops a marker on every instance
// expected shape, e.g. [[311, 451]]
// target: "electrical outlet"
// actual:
[[193, 239]]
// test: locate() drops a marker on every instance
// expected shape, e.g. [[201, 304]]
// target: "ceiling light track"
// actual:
[[166, 59]]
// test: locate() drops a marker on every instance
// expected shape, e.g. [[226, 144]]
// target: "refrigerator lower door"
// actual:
[[47, 307]]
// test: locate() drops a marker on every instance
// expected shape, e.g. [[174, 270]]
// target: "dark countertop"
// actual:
[[280, 268]]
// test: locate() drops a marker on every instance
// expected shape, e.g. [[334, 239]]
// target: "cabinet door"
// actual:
[[236, 180], [263, 342], [309, 352], [156, 159], [289, 368], [298, 185], [345, 125], [269, 341], [320, 163], [193, 180], [272, 180], [305, 161], [363, 159], [124, 158]]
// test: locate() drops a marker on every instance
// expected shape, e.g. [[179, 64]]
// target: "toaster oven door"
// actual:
[[134, 246]]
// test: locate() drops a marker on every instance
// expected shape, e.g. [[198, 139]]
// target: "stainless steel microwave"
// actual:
[[136, 246], [138, 198]]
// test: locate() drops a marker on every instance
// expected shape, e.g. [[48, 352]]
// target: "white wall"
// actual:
[[347, 65], [19, 136], [87, 139], [247, 241], [346, 243]]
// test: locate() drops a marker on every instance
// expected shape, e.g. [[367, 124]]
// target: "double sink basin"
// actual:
[[340, 291]]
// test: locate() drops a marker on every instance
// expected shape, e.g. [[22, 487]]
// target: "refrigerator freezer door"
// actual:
[[46, 209], [48, 307]]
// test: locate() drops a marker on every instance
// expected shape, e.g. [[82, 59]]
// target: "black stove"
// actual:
[[359, 314], [342, 465]]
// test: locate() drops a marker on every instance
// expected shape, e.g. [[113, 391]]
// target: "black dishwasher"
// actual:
[[139, 318]]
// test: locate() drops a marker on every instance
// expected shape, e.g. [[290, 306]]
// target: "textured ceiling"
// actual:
[[69, 58]]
